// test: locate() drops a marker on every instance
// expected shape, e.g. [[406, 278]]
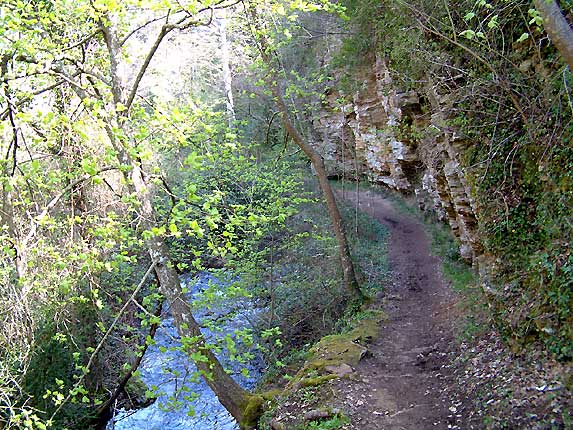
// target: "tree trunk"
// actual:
[[242, 405], [557, 28], [350, 281], [348, 272], [226, 65]]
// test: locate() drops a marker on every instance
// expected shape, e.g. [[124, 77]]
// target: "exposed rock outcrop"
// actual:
[[401, 140]]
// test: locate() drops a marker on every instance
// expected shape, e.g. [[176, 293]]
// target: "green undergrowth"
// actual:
[[369, 243], [530, 238], [462, 277], [334, 423]]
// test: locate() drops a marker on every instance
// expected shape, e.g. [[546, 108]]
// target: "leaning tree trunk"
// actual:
[[315, 158], [557, 28], [318, 163], [242, 405]]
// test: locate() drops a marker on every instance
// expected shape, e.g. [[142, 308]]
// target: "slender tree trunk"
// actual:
[[343, 146], [242, 405], [315, 158], [557, 28], [226, 65], [9, 167], [349, 274]]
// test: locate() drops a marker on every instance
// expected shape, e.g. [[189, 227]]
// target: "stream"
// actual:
[[167, 370]]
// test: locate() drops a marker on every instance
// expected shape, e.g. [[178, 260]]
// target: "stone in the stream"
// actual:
[[340, 370]]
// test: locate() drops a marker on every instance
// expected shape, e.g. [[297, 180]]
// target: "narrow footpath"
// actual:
[[405, 383]]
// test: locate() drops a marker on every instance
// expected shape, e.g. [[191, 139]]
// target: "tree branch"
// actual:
[[164, 31], [102, 413], [142, 26], [102, 341], [180, 25], [557, 28], [175, 197], [82, 41], [486, 63], [55, 201], [4, 114], [13, 147], [270, 125]]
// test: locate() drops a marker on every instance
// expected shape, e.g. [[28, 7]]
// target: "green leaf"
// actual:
[[468, 34], [89, 167], [523, 37]]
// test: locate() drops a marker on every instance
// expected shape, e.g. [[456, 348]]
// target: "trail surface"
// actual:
[[405, 383]]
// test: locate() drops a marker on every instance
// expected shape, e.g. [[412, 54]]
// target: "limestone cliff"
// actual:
[[479, 129], [401, 140]]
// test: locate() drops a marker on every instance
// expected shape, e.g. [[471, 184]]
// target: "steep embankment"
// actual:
[[479, 129]]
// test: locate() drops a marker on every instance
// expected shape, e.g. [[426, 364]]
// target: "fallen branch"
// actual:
[[98, 348], [103, 412]]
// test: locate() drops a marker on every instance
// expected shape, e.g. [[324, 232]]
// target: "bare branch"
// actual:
[[82, 41], [486, 63], [141, 27], [103, 340], [56, 199], [270, 125], [13, 147], [104, 408], [28, 97]]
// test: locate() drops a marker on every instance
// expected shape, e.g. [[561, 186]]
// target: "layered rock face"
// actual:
[[400, 140]]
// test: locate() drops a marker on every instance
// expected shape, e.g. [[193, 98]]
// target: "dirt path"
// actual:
[[405, 382]]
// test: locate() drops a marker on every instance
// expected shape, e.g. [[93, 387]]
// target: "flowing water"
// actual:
[[168, 369]]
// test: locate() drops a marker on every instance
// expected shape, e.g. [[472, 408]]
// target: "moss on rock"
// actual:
[[334, 350], [330, 353], [313, 382]]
